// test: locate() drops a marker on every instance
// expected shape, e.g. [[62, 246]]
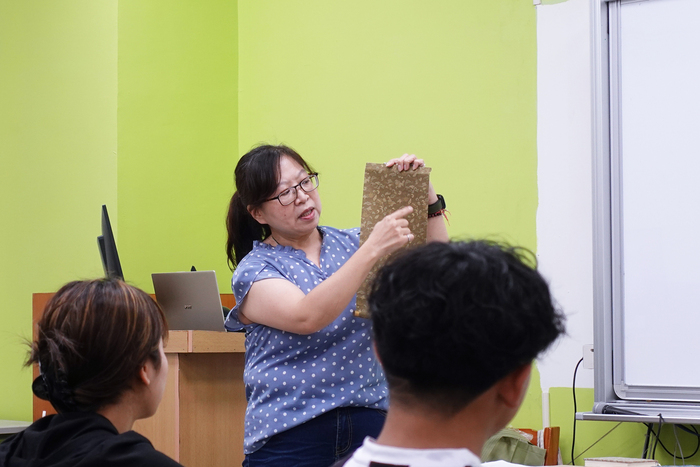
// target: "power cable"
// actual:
[[573, 390]]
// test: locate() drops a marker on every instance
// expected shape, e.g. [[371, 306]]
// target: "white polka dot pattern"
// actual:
[[292, 378]]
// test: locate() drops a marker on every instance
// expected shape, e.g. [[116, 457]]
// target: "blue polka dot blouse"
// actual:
[[292, 378]]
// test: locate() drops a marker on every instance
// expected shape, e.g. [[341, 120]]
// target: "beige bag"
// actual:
[[511, 445]]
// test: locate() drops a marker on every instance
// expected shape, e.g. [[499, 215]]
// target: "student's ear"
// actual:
[[144, 375], [513, 387]]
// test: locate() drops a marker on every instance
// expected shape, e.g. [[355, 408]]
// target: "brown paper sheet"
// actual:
[[386, 190]]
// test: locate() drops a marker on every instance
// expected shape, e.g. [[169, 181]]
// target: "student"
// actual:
[[99, 347], [456, 328], [313, 386]]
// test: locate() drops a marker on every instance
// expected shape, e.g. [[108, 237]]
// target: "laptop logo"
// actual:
[[188, 307]]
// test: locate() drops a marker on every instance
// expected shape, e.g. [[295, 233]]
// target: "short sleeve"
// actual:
[[246, 274]]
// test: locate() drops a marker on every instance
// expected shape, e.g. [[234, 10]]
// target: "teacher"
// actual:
[[313, 384]]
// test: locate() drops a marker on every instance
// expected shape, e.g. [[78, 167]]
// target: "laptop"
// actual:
[[190, 300]]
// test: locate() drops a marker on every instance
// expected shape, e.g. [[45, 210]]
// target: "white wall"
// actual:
[[564, 216]]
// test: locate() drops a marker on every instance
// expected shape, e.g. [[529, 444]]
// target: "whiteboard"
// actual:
[[658, 293], [646, 187]]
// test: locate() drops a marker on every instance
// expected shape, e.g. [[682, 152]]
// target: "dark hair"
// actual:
[[256, 176], [452, 319], [91, 341]]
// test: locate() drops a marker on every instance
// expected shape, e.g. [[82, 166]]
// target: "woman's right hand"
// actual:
[[391, 233]]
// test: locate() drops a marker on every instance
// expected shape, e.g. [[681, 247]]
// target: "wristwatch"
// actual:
[[437, 206]]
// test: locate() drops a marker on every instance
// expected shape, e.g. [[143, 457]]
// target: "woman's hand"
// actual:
[[406, 162], [437, 232], [391, 233]]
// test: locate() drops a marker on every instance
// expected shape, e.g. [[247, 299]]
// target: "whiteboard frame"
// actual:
[[612, 394]]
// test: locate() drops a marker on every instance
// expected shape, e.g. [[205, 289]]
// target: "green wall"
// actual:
[[155, 81], [58, 158], [177, 137], [352, 82]]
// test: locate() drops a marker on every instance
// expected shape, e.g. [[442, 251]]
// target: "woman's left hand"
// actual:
[[406, 162], [437, 232]]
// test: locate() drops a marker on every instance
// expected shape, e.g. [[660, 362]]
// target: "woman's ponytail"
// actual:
[[242, 231]]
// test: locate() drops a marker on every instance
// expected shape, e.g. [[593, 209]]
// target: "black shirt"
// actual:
[[84, 439]]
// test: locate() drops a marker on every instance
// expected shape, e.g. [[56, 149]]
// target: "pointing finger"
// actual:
[[403, 212]]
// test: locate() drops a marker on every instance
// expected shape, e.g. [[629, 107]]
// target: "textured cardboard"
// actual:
[[385, 191]]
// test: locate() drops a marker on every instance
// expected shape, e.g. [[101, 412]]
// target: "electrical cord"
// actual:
[[650, 430], [687, 430], [645, 449], [677, 445], [573, 390], [598, 440], [659, 442], [696, 434], [573, 438]]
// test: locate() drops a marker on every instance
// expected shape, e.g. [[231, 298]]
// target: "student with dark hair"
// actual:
[[456, 329], [99, 348], [313, 385]]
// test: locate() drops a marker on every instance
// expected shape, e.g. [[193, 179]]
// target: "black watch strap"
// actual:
[[437, 206]]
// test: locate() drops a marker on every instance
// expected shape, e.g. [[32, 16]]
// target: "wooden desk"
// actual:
[[200, 420]]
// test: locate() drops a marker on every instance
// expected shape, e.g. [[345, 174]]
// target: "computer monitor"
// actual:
[[108, 248]]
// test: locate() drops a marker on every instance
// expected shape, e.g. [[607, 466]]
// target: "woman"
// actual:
[[314, 387], [99, 347]]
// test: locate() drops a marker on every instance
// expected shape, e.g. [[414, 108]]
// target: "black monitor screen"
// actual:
[[108, 248]]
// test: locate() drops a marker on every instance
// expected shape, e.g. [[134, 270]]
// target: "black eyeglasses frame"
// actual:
[[310, 176]]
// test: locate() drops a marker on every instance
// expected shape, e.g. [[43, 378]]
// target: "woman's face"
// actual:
[[298, 218]]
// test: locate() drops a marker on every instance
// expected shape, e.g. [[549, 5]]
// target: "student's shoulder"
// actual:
[[133, 449]]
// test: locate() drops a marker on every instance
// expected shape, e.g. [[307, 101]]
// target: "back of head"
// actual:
[[91, 341], [452, 319], [257, 176]]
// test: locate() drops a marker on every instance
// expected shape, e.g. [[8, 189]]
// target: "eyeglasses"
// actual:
[[289, 195]]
